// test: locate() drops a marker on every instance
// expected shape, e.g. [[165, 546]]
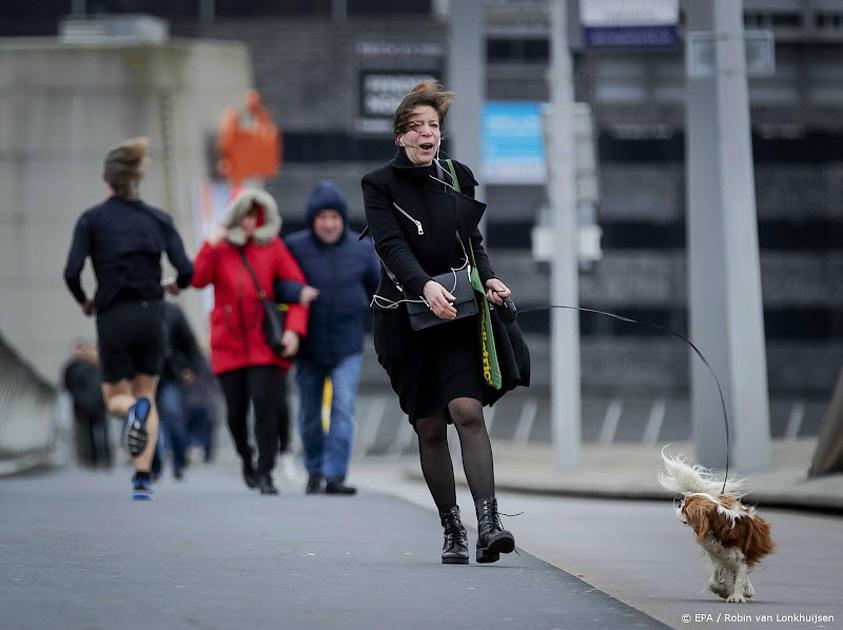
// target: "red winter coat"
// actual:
[[237, 339]]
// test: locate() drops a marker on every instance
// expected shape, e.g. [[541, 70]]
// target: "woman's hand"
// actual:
[[496, 291], [88, 308], [290, 340], [308, 295], [217, 234], [440, 300]]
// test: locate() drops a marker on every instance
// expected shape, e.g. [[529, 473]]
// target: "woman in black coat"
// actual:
[[415, 210]]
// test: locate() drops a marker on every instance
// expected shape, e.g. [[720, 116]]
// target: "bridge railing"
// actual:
[[31, 435]]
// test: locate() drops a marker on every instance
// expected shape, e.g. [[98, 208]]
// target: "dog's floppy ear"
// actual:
[[757, 542], [698, 512]]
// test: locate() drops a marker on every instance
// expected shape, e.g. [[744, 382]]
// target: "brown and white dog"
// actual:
[[732, 534]]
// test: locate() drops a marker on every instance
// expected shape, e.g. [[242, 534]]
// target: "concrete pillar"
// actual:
[[467, 77], [726, 315], [565, 344]]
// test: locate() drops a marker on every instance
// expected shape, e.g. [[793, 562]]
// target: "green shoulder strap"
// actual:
[[491, 367]]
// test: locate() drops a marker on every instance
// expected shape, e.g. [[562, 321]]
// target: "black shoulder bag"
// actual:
[[273, 316], [458, 283]]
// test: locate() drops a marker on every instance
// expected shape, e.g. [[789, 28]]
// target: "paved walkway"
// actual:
[[638, 552], [76, 553]]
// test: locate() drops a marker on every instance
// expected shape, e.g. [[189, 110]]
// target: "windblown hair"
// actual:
[[680, 477], [427, 92], [123, 166]]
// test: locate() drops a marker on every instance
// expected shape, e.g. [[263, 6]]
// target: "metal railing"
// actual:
[[30, 436]]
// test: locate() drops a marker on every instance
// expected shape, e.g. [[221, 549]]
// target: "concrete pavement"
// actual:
[[223, 557], [638, 552], [76, 553]]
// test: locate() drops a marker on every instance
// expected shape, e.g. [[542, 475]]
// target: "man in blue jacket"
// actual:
[[345, 272]]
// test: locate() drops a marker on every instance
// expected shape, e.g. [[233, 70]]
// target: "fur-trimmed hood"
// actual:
[[269, 220]]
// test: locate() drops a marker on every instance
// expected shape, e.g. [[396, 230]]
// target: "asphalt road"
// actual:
[[75, 552]]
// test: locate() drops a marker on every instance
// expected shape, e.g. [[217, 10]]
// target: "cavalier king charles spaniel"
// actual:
[[732, 534]]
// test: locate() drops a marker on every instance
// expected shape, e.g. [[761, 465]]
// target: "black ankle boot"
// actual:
[[266, 486], [492, 538], [249, 475], [455, 547]]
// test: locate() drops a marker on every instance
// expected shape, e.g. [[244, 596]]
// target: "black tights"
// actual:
[[261, 386], [467, 414]]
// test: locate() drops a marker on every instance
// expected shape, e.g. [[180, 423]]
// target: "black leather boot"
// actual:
[[492, 538], [249, 475], [266, 486], [455, 547]]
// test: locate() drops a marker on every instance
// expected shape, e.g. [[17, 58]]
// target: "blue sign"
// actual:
[[513, 143], [657, 35]]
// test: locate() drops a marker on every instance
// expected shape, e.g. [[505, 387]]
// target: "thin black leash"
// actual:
[[629, 320]]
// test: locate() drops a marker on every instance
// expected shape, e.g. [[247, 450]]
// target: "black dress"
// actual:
[[413, 220]]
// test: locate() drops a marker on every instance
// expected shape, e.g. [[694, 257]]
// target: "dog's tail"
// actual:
[[680, 477]]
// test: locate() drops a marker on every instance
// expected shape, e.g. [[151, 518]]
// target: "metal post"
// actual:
[[339, 10], [565, 348], [467, 76], [726, 316], [207, 10]]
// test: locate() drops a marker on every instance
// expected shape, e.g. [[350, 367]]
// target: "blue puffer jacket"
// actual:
[[346, 274]]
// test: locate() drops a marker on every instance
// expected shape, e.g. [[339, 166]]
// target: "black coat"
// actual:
[[417, 240]]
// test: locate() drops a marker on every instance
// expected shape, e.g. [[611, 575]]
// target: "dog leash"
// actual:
[[629, 320]]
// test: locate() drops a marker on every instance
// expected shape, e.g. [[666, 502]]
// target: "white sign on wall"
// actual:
[[629, 22]]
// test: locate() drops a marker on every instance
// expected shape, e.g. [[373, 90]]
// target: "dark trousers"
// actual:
[[261, 386], [92, 442], [283, 417]]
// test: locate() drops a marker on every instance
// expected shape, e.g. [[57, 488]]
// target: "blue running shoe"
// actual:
[[134, 433], [142, 491]]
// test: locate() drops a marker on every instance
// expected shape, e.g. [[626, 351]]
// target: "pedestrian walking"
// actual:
[[423, 219], [344, 272], [125, 239], [204, 405], [242, 259], [82, 382], [182, 361]]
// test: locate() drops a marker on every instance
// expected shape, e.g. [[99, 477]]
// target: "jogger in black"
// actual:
[[125, 239]]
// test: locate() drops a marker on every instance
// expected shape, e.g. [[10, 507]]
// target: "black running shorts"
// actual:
[[130, 336]]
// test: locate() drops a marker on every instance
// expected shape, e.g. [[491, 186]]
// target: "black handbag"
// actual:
[[458, 283], [273, 315]]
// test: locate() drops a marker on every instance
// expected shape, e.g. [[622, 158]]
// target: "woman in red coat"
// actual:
[[247, 368]]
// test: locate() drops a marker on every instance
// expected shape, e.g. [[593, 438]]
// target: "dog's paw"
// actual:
[[722, 582], [749, 590], [719, 589], [736, 598]]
